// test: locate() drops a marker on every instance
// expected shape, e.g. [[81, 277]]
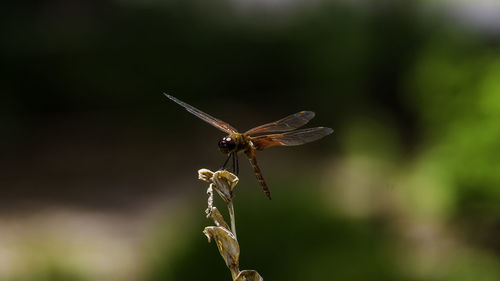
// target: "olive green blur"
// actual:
[[98, 169]]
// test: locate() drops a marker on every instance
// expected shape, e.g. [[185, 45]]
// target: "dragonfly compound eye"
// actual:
[[227, 145]]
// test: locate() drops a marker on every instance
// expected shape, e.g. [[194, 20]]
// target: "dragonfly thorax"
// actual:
[[233, 143]]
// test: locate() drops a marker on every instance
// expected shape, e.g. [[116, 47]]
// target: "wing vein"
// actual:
[[288, 123], [221, 125], [298, 137]]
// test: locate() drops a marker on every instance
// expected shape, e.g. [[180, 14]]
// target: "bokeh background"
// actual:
[[98, 170]]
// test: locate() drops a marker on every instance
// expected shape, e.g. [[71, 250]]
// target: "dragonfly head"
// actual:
[[227, 145]]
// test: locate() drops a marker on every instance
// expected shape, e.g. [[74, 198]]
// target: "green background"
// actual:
[[98, 170]]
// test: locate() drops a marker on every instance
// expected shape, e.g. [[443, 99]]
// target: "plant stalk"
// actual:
[[231, 214]]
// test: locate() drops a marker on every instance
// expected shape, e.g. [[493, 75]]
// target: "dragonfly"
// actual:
[[279, 133]]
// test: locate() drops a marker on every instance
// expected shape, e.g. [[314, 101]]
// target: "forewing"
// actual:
[[221, 125], [288, 123], [291, 138]]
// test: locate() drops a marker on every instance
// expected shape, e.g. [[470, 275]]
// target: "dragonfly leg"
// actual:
[[234, 162], [237, 164], [225, 162]]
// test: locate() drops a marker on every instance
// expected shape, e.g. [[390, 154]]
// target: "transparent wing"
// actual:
[[221, 125], [288, 123], [291, 138]]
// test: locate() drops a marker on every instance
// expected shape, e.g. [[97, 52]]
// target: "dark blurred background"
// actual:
[[98, 168]]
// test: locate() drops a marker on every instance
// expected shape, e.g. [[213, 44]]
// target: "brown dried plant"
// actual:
[[224, 182]]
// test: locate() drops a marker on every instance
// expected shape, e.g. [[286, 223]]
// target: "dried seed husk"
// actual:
[[205, 175], [218, 219], [224, 183], [227, 245], [248, 275]]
